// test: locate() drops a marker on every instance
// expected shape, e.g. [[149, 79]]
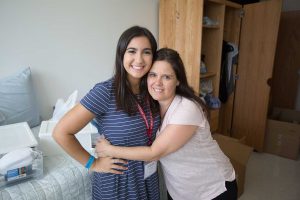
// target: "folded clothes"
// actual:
[[16, 159]]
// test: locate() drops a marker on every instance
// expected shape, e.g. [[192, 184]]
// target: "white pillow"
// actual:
[[17, 99]]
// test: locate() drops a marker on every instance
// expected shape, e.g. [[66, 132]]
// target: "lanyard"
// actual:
[[149, 128]]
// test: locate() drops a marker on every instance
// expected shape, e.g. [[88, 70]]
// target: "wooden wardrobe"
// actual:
[[253, 28]]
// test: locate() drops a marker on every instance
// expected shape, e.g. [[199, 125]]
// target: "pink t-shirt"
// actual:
[[199, 169]]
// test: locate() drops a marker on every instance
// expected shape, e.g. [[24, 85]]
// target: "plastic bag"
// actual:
[[62, 107]]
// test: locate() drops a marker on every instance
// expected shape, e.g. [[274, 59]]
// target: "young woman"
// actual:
[[125, 114], [194, 166]]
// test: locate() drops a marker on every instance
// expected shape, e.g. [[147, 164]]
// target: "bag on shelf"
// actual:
[[212, 102], [203, 68], [206, 86]]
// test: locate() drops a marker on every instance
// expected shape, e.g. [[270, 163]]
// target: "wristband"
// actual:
[[90, 162]]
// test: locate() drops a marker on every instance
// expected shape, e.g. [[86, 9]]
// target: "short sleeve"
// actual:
[[97, 99], [187, 112]]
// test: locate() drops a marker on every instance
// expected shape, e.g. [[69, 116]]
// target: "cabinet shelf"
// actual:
[[224, 2], [207, 75], [215, 1], [232, 4], [211, 26]]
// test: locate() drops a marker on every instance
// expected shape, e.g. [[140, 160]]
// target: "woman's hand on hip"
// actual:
[[109, 165]]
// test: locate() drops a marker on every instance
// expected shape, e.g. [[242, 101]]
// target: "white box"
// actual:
[[50, 147], [14, 136]]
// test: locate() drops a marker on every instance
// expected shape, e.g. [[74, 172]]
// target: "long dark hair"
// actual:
[[125, 99], [183, 89]]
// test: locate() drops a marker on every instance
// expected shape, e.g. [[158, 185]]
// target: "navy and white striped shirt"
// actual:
[[121, 130]]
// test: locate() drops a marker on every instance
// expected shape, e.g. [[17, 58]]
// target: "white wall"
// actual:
[[69, 44]]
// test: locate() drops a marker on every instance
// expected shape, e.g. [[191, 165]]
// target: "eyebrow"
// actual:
[[171, 75], [133, 48]]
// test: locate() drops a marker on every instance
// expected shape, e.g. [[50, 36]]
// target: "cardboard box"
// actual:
[[283, 133], [238, 153]]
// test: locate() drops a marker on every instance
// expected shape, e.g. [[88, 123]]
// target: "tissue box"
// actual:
[[24, 173], [50, 147]]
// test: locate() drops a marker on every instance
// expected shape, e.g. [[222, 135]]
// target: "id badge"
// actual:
[[149, 168]]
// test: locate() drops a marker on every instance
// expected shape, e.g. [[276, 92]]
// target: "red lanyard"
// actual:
[[149, 128]]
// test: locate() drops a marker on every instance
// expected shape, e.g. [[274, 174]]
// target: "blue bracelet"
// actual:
[[90, 162]]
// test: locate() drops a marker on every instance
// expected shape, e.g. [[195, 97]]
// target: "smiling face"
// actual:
[[137, 58], [162, 82]]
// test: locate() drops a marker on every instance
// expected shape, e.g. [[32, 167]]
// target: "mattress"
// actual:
[[63, 179]]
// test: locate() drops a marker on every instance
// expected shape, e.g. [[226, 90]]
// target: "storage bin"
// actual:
[[25, 173]]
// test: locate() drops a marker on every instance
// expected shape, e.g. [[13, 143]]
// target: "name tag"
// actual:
[[149, 168]]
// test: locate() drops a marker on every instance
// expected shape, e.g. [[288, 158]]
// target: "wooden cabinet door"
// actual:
[[257, 50], [180, 25]]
